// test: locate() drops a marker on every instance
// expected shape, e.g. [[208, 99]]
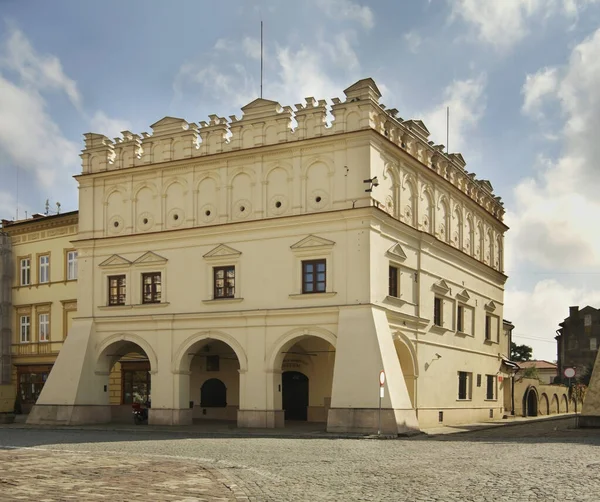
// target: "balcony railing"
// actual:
[[36, 348]]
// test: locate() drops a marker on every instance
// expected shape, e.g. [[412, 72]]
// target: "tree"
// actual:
[[520, 352]]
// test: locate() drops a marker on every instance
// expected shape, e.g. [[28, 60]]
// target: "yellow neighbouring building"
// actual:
[[249, 270]]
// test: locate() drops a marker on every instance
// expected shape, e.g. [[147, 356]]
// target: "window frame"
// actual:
[[468, 386], [488, 327], [595, 347], [438, 311], [225, 269], [40, 324], [493, 388], [26, 269], [71, 275], [43, 269], [315, 282], [460, 318], [23, 325], [117, 277], [393, 282], [155, 296]]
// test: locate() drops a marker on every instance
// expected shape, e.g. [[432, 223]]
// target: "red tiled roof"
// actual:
[[540, 365]]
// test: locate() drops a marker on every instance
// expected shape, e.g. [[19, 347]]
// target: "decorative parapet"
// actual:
[[266, 122]]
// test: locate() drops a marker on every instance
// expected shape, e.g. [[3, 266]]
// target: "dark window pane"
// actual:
[[224, 282], [314, 276]]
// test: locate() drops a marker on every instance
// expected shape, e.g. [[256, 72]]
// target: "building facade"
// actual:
[[43, 303], [545, 371], [266, 273], [577, 342]]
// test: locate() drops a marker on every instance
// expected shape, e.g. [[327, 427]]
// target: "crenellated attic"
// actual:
[[266, 122]]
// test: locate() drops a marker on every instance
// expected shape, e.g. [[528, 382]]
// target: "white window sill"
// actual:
[[308, 296], [491, 400], [222, 300], [464, 400], [438, 329], [114, 307], [490, 342], [462, 333], [150, 305]]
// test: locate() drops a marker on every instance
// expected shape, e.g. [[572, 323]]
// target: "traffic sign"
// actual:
[[382, 378], [569, 372]]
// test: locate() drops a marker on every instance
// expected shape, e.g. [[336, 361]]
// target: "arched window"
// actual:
[[213, 394]]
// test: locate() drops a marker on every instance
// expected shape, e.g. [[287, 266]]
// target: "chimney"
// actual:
[[573, 311]]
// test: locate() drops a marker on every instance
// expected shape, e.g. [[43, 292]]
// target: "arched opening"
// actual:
[[294, 395], [127, 369], [407, 364], [564, 404], [544, 407], [305, 363], [554, 404], [530, 403], [213, 394], [213, 389]]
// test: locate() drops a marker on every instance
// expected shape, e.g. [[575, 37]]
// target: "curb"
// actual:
[[497, 425]]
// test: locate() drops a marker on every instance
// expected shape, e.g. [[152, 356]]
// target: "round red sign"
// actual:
[[382, 378]]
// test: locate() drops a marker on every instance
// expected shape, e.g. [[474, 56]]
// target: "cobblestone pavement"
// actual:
[[544, 461]]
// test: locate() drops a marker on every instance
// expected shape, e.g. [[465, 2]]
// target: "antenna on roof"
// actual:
[[47, 206], [17, 193], [448, 129], [261, 59]]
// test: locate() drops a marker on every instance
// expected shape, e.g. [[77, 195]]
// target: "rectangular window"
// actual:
[[151, 287], [44, 327], [460, 317], [393, 282], [25, 272], [488, 327], [136, 386], [212, 363], [44, 275], [224, 282], [71, 265], [314, 273], [490, 390], [116, 290], [464, 385], [593, 344], [437, 311], [25, 328], [30, 386]]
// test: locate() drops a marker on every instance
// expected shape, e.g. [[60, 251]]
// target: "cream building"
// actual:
[[44, 297], [269, 267]]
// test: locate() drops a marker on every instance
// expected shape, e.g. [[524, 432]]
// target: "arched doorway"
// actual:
[[302, 365], [213, 394], [294, 395], [530, 405], [407, 365], [127, 369], [210, 377]]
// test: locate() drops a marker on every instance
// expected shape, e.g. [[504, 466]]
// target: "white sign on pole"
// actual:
[[569, 372], [381, 391], [382, 378]]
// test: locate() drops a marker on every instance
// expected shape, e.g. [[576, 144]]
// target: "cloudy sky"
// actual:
[[521, 78]]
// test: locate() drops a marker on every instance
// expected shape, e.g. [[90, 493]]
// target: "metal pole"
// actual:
[[512, 392], [379, 418], [261, 59]]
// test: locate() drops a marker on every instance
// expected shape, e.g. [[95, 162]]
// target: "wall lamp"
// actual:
[[374, 182]]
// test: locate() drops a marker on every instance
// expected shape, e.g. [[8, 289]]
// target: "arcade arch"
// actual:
[[302, 363]]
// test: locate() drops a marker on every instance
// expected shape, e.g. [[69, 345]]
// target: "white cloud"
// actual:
[[349, 11], [223, 44], [466, 99], [102, 124], [251, 47], [42, 72], [504, 23], [413, 40], [536, 313], [536, 88], [30, 138]]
